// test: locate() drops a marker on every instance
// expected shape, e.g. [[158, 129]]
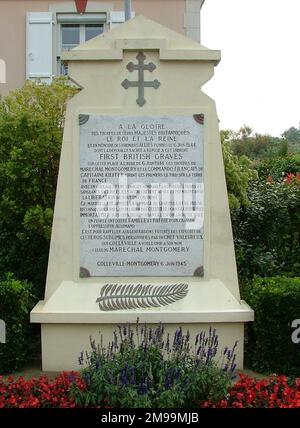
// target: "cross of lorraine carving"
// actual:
[[141, 84]]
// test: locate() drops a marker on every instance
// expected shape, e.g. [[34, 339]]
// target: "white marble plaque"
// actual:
[[141, 195]]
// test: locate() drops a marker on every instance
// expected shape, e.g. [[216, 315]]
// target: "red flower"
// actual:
[[271, 392], [40, 392]]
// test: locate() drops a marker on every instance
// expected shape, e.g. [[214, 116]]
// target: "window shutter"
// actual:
[[39, 46], [117, 18]]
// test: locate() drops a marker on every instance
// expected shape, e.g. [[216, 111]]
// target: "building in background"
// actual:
[[33, 33]]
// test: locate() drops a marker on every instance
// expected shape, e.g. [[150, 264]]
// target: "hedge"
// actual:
[[269, 348], [16, 301], [267, 232], [278, 167]]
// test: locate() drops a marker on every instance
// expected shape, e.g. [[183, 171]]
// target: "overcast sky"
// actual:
[[257, 82]]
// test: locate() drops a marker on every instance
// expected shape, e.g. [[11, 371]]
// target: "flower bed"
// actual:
[[272, 392], [41, 392], [275, 391]]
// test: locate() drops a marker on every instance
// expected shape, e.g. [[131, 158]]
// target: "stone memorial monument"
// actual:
[[141, 225]]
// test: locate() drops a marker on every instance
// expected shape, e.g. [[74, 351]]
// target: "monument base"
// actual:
[[71, 315], [60, 347]]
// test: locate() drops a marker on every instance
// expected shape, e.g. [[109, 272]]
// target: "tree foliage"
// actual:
[[31, 127], [263, 146], [256, 146], [239, 172], [292, 134]]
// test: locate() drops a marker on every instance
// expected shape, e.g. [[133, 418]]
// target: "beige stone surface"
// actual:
[[69, 313], [207, 299], [57, 356]]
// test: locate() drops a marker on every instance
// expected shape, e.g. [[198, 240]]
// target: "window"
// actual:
[[71, 35], [92, 30], [48, 34]]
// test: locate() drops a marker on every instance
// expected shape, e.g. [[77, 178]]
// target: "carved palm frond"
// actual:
[[115, 297]]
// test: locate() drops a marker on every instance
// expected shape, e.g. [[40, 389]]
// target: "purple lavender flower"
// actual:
[[72, 377], [132, 376], [178, 373], [144, 385], [143, 389], [80, 359], [93, 344], [168, 379], [185, 382], [87, 378], [168, 342], [124, 376], [233, 365], [150, 334]]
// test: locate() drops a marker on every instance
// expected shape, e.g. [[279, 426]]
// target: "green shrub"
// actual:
[[267, 231], [276, 302], [143, 367], [239, 172], [31, 128], [16, 301], [278, 167]]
